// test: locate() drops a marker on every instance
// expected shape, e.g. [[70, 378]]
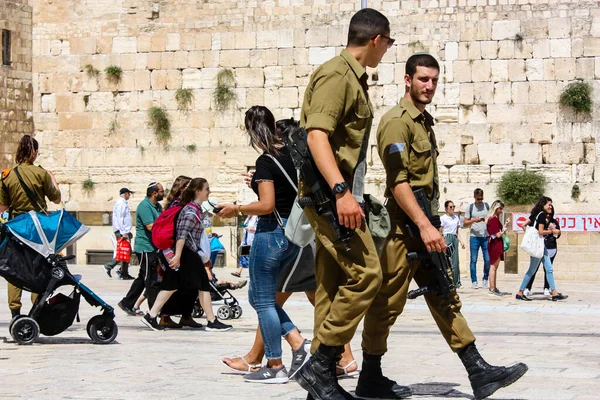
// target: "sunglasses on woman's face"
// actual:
[[452, 207]]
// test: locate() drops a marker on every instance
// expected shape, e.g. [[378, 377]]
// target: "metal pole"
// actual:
[[363, 4]]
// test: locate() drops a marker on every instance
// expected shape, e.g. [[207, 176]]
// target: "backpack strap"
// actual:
[[30, 195]]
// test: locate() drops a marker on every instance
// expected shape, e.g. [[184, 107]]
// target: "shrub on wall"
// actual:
[[521, 187], [159, 121], [184, 99], [113, 73], [224, 94], [578, 96]]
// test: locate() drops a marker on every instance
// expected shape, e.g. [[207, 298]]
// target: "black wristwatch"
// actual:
[[340, 188]]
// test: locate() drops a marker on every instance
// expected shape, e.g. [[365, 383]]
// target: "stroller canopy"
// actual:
[[47, 234]]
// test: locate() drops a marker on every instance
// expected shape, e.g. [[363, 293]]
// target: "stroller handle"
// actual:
[[67, 258]]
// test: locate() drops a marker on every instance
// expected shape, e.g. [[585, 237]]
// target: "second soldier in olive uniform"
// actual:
[[408, 150], [337, 115]]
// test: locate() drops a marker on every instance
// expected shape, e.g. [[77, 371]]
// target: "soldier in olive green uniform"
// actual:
[[14, 198], [337, 115], [408, 150]]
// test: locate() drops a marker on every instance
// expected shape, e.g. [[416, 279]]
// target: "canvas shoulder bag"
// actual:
[[297, 230], [533, 242]]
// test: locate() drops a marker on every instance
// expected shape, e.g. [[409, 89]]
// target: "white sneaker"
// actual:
[[485, 284], [526, 292], [546, 292], [475, 285]]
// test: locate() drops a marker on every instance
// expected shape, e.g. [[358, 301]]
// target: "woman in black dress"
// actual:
[[187, 265]]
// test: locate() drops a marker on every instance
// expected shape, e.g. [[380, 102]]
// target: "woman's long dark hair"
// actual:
[[260, 125], [539, 206], [177, 189], [190, 192], [27, 146]]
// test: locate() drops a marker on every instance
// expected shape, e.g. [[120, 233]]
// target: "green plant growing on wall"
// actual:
[[91, 71], [416, 45], [159, 122], [191, 148], [86, 99], [575, 192], [88, 186], [521, 187], [113, 125], [577, 96], [113, 73], [184, 98], [223, 94]]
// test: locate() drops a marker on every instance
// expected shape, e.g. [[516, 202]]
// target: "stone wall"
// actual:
[[504, 65], [16, 92]]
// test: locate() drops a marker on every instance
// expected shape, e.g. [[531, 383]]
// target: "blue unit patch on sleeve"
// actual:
[[397, 147]]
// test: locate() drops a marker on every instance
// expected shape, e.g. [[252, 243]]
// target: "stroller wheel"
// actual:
[[102, 330], [12, 321], [25, 330], [224, 312], [197, 312], [237, 311]]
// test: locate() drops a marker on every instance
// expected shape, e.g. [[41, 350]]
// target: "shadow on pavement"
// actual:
[[439, 389]]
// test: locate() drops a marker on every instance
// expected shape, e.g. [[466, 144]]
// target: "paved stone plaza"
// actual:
[[559, 341]]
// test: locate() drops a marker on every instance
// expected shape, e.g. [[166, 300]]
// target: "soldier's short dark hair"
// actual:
[[478, 192], [365, 25], [420, 60]]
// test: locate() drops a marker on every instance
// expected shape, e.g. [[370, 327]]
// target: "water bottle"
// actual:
[[168, 253]]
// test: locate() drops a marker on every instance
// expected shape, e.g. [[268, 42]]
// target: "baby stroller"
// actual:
[[231, 308], [29, 259]]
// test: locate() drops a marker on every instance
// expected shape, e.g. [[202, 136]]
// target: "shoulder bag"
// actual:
[[533, 242], [297, 230]]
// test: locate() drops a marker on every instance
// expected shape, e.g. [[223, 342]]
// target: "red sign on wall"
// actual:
[[567, 222]]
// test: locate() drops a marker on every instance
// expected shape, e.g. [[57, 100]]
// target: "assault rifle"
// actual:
[[321, 195], [436, 263]]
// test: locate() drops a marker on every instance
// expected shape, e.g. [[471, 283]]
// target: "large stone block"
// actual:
[[530, 153], [318, 55], [49, 103], [451, 51], [499, 70], [234, 58], [173, 79], [591, 47], [316, 37], [502, 93], [489, 49], [535, 69], [288, 97], [285, 38], [124, 44], [462, 71], [469, 174], [495, 153], [560, 48], [249, 77], [585, 68], [565, 69], [74, 121], [563, 153], [266, 39], [141, 80], [585, 173], [481, 71], [173, 42], [484, 92], [556, 173], [503, 30], [273, 76], [245, 40], [102, 101], [466, 94], [191, 78]]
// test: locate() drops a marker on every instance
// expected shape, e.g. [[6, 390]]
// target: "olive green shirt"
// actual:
[[336, 101], [407, 147], [39, 182]]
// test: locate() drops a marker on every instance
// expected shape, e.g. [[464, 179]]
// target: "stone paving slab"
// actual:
[[560, 341]]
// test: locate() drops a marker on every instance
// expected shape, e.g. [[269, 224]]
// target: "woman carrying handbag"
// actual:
[[544, 227]]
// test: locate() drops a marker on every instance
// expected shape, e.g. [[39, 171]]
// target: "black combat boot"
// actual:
[[485, 378], [15, 313], [317, 376], [373, 385]]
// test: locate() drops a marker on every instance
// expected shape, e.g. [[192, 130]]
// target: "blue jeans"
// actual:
[[534, 263], [269, 253], [475, 243]]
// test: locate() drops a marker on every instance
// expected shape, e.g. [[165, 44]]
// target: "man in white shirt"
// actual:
[[121, 223]]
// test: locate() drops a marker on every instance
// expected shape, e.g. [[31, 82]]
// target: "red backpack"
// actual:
[[163, 230]]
